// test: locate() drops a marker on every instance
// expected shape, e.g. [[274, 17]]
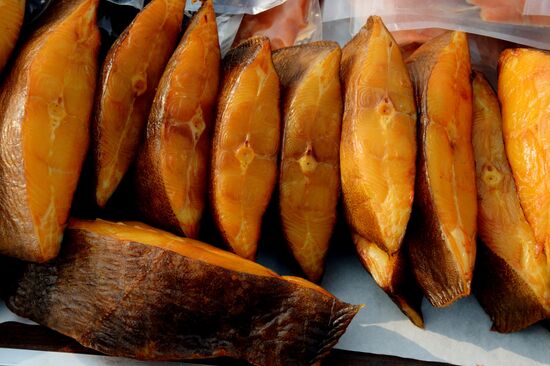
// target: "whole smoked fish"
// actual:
[[377, 158]]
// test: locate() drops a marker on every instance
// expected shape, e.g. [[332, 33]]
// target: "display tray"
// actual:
[[379, 335]]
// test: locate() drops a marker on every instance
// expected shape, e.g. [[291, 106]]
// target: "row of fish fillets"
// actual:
[[426, 159]]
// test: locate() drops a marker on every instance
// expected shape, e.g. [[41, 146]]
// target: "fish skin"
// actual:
[[166, 299], [11, 20]]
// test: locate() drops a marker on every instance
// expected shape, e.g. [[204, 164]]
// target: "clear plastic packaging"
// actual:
[[35, 8], [234, 6], [534, 30], [294, 22], [138, 4], [537, 7]]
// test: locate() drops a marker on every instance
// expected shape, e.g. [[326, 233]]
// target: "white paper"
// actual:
[[459, 334]]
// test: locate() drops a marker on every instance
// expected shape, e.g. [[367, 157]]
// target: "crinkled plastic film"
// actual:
[[508, 22], [294, 22]]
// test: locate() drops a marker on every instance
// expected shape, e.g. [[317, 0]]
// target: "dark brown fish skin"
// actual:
[[401, 287], [511, 305], [133, 300]]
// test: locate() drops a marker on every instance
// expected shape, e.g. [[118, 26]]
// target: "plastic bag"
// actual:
[[514, 11], [221, 6], [447, 14], [228, 25], [138, 4], [294, 22], [35, 8], [537, 7], [236, 6]]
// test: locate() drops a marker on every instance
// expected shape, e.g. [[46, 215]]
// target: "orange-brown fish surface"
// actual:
[[393, 274], [378, 145], [171, 174], [443, 231], [11, 19], [245, 144], [377, 158], [45, 108], [127, 289], [524, 93], [512, 278], [130, 75], [309, 178]]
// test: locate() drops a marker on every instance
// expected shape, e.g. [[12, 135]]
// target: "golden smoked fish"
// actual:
[[443, 229], [393, 274], [512, 279], [130, 75], [378, 145], [245, 144], [309, 180], [524, 93], [45, 109], [377, 158], [171, 174]]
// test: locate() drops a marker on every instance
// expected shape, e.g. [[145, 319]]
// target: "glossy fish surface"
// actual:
[[524, 94], [512, 275], [171, 174], [129, 78], [443, 230], [245, 144], [309, 178], [45, 109], [378, 145]]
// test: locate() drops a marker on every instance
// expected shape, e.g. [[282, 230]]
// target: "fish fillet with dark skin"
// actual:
[[45, 108], [377, 158], [129, 78], [127, 289], [512, 279], [171, 173], [442, 232]]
